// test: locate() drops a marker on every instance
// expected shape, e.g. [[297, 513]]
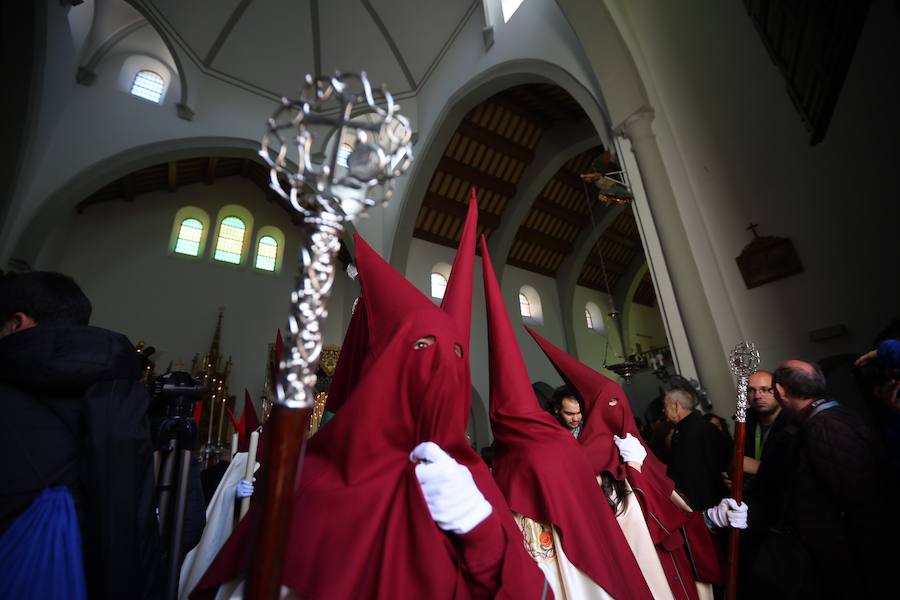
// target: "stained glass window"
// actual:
[[230, 242], [190, 232], [588, 318], [266, 253]]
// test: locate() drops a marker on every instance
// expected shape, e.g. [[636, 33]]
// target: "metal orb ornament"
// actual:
[[743, 360], [379, 140], [367, 144]]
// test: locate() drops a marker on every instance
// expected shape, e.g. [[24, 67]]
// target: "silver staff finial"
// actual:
[[743, 360], [362, 156]]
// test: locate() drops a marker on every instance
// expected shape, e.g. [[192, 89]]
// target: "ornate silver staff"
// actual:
[[354, 173], [743, 359]]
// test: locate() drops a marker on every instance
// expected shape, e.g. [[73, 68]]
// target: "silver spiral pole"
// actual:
[[353, 170]]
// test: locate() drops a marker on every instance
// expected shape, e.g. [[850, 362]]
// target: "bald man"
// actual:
[[838, 520]]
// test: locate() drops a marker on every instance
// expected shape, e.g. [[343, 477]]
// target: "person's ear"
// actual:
[[17, 322]]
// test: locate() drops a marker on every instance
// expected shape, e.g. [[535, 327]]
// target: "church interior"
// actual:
[[656, 181]]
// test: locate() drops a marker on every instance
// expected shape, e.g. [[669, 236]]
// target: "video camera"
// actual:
[[177, 391]]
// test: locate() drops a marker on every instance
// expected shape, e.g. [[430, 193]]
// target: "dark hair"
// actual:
[[799, 382], [724, 428], [561, 393], [44, 296], [612, 487]]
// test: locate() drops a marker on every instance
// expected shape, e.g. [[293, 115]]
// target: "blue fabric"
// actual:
[[40, 553], [889, 353]]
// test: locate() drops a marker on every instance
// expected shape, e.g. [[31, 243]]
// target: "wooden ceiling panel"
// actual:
[[491, 149], [178, 173]]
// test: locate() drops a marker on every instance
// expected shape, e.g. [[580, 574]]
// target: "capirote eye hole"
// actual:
[[458, 349], [424, 342], [613, 401]]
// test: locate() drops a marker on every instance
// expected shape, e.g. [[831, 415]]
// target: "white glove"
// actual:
[[728, 513], [244, 489], [454, 501], [630, 449]]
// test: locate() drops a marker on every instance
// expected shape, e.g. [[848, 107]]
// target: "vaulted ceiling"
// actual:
[[399, 42]]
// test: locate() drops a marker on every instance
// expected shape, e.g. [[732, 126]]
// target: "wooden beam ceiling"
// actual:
[[476, 176], [454, 208], [172, 176], [496, 141], [543, 240], [211, 170], [549, 207]]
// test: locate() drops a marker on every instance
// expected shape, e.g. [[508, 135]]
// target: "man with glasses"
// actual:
[[763, 419]]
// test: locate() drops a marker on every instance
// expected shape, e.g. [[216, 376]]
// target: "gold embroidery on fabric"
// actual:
[[538, 538]]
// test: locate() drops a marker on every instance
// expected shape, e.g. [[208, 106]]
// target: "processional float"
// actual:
[[354, 173]]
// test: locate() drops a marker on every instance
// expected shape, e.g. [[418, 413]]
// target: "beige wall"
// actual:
[[736, 151], [118, 253]]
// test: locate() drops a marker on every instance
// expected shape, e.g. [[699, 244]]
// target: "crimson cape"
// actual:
[[683, 543]]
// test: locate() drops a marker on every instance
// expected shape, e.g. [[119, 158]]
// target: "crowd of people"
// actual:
[[580, 499]]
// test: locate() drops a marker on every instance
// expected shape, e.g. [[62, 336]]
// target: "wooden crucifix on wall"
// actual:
[[767, 258]]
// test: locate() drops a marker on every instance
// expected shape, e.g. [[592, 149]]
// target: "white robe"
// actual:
[[219, 524], [634, 527], [565, 579]]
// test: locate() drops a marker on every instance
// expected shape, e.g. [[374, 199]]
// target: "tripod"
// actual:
[[177, 436]]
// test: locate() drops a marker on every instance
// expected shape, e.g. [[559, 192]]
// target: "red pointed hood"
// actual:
[[390, 298], [354, 350], [379, 536], [607, 413], [540, 468], [238, 424], [457, 300], [249, 423]]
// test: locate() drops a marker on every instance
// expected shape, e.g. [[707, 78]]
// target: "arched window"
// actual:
[[266, 253], [189, 229], [148, 85], [269, 249], [190, 232], [524, 306], [438, 285], [230, 242], [440, 275], [530, 305], [594, 318]]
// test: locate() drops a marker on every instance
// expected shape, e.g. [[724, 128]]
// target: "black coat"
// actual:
[[699, 455], [74, 414], [764, 492], [837, 507]]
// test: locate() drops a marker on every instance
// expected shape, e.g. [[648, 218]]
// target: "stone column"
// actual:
[[693, 306]]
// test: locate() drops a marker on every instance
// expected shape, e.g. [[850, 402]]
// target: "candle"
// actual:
[[251, 467]]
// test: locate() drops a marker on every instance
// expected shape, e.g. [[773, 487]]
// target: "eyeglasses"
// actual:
[[761, 390]]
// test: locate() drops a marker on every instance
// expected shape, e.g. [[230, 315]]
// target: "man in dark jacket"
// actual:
[[75, 416], [837, 523], [699, 452]]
